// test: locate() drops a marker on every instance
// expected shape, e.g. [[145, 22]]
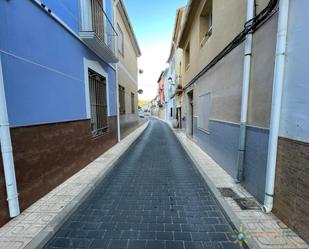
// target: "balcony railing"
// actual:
[[98, 16], [97, 31]]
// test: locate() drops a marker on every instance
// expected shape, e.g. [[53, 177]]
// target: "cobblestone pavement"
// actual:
[[154, 198]]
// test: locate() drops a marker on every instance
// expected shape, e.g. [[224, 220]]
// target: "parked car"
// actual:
[[147, 113], [141, 114]]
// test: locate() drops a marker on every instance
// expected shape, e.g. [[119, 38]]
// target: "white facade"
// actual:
[[172, 80], [295, 102]]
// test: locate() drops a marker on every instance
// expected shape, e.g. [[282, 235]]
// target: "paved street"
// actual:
[[154, 198]]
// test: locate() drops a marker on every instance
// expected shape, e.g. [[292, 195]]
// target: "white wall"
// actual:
[[295, 103]]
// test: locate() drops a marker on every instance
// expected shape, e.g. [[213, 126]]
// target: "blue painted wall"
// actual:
[[256, 161], [68, 11], [222, 145], [43, 66]]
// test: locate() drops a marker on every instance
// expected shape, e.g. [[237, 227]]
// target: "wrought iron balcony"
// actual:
[[97, 31]]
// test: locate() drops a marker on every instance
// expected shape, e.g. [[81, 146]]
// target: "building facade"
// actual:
[[58, 72], [173, 79], [127, 71], [161, 97], [214, 72]]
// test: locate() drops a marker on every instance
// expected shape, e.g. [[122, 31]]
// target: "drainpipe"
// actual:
[[7, 153], [117, 105], [245, 93], [276, 104], [117, 68]]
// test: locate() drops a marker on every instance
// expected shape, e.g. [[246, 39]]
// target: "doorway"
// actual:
[[178, 117], [190, 114]]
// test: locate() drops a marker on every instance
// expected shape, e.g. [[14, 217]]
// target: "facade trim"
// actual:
[[95, 66]]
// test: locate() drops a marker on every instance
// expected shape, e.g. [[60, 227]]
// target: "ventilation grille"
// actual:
[[248, 203]]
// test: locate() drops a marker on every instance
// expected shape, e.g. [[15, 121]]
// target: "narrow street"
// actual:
[[154, 198]]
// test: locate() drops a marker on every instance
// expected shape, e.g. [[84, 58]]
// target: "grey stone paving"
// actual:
[[154, 198]]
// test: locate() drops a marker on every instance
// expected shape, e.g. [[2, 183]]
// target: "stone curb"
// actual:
[[47, 233]]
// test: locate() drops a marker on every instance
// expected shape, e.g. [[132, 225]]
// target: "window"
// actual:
[[171, 113], [98, 18], [206, 22], [122, 106], [132, 103], [187, 57], [203, 111], [120, 41], [98, 103]]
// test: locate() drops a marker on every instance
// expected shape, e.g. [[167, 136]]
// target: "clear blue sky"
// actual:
[[153, 18], [153, 22]]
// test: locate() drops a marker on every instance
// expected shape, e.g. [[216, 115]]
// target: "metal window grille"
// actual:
[[98, 103], [98, 18], [122, 107], [132, 103]]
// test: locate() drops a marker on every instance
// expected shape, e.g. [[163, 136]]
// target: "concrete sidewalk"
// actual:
[[39, 222], [265, 231]]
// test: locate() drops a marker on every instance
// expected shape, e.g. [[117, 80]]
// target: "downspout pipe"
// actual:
[[276, 104], [245, 93], [117, 78], [117, 105], [7, 152]]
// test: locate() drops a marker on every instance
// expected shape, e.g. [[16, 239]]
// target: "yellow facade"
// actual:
[[224, 80], [128, 66]]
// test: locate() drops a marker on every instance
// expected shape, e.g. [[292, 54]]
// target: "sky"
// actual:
[[153, 23]]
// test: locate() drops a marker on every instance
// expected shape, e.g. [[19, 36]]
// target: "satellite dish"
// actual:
[[140, 91]]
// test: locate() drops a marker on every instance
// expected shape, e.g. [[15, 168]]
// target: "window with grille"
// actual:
[[132, 103], [203, 112], [98, 103], [122, 106]]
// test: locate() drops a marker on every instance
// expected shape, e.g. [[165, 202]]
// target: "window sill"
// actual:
[[205, 39], [97, 136]]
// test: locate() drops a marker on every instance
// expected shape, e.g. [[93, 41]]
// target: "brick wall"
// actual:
[[291, 202], [47, 155]]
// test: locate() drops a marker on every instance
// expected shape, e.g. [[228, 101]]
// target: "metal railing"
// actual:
[[101, 24], [98, 103]]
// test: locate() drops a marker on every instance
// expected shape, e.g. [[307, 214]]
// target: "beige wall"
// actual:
[[228, 20], [262, 70], [224, 81], [224, 30], [130, 87], [128, 72], [129, 59]]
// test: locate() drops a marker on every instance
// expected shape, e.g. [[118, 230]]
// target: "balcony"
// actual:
[[97, 31]]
